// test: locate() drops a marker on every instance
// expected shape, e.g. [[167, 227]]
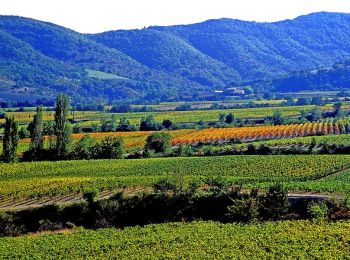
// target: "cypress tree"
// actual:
[[36, 135], [10, 141], [62, 129]]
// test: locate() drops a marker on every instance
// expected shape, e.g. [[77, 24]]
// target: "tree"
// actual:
[[108, 125], [315, 115], [84, 148], [222, 117], [10, 141], [124, 108], [318, 101], [48, 128], [23, 133], [338, 110], [35, 128], [275, 203], [158, 142], [62, 129], [312, 145], [230, 118], [303, 101], [167, 123], [149, 124], [125, 125], [277, 118], [110, 148]]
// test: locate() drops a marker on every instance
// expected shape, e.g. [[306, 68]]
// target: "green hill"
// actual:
[[172, 62], [336, 77]]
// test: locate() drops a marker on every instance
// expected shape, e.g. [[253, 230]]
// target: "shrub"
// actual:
[[167, 123], [8, 226], [90, 196], [185, 150], [217, 184], [275, 203], [23, 133], [230, 118], [243, 210], [109, 148], [149, 124], [46, 224], [83, 149], [158, 142], [125, 125], [317, 211], [164, 186]]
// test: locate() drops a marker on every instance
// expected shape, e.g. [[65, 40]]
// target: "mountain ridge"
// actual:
[[168, 62]]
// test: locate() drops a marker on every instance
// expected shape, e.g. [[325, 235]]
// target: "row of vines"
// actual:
[[326, 127]]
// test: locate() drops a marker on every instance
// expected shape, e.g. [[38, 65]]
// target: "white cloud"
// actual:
[[102, 15]]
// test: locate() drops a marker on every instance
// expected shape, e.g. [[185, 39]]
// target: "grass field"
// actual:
[[102, 75], [197, 240], [39, 179]]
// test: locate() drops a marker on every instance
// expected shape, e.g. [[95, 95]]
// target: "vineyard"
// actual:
[[327, 127], [40, 179], [175, 116], [26, 117], [197, 240], [343, 139], [213, 115], [328, 131]]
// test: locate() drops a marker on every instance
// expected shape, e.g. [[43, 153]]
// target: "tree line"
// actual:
[[60, 143]]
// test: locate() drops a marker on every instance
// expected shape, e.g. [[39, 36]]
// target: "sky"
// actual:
[[91, 16]]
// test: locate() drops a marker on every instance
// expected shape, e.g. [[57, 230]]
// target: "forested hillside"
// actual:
[[174, 62], [336, 77]]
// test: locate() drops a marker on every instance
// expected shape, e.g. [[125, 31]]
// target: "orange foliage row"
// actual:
[[261, 132]]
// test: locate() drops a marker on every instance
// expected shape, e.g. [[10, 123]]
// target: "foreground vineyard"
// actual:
[[327, 127], [56, 178], [198, 240]]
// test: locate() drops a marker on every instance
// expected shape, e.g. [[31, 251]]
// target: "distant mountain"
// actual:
[[336, 77], [169, 53], [67, 55], [259, 50], [171, 62]]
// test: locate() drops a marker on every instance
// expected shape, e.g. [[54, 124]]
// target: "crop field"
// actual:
[[197, 240], [38, 179], [166, 106], [343, 139], [213, 115], [27, 116], [324, 132], [327, 127], [175, 116]]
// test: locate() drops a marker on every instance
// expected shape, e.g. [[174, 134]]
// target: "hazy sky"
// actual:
[[103, 15]]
